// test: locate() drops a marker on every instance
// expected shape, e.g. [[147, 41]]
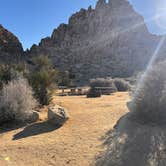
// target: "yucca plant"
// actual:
[[43, 79]]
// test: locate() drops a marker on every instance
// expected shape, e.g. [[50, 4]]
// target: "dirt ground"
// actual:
[[77, 143]]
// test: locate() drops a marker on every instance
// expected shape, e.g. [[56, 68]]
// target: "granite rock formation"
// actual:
[[10, 47], [110, 40]]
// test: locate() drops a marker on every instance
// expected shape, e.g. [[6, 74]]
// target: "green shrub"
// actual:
[[16, 101], [121, 85], [43, 79], [149, 101]]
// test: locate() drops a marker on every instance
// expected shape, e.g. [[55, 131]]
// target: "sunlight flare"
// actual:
[[150, 65], [160, 18], [160, 14]]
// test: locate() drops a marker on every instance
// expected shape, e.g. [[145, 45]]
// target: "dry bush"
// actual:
[[149, 101], [16, 101], [121, 85]]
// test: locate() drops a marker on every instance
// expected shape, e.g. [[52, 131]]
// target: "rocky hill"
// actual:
[[110, 40], [10, 47]]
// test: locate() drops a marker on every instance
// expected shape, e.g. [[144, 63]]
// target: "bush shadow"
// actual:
[[6, 127], [35, 129]]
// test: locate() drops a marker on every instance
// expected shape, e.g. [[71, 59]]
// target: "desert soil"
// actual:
[[77, 143]]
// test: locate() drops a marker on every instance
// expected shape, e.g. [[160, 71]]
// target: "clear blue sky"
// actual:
[[31, 20]]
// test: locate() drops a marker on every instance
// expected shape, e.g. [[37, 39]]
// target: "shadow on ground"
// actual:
[[134, 144], [11, 126], [35, 129]]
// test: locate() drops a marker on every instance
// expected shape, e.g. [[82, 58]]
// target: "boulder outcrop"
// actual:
[[10, 47], [110, 40]]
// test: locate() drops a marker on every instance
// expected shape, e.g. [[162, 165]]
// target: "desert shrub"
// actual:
[[101, 86], [121, 85], [20, 68], [149, 100], [101, 82], [5, 74], [10, 72], [63, 78], [16, 101], [43, 79]]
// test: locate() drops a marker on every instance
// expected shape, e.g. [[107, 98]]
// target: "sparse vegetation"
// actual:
[[16, 101], [150, 100], [43, 79]]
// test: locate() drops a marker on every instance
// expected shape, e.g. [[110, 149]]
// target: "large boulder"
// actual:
[[57, 115]]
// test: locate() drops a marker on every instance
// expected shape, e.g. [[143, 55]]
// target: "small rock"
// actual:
[[33, 117], [57, 115]]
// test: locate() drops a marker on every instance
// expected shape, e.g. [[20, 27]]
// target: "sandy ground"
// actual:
[[77, 143]]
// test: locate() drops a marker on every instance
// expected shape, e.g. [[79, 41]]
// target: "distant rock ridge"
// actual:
[[10, 47], [9, 42], [110, 40]]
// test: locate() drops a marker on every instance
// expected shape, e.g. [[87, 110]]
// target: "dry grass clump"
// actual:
[[16, 101]]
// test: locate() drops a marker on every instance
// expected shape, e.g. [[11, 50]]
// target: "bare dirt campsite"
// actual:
[[77, 143]]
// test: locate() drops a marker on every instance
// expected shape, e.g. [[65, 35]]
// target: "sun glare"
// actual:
[[150, 65], [160, 15], [161, 18]]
